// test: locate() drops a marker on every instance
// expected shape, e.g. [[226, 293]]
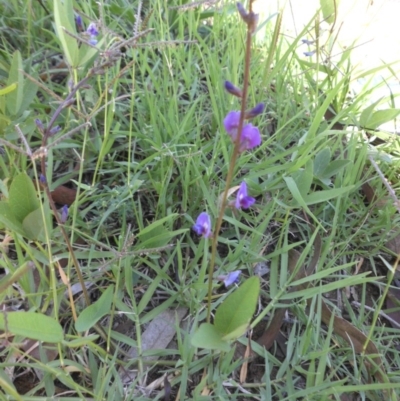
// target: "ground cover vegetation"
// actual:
[[156, 243]]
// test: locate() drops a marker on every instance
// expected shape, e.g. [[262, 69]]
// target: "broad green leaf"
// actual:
[[8, 89], [14, 98], [323, 196], [366, 113], [234, 314], [33, 325], [29, 93], [22, 197], [64, 19], [303, 178], [33, 225], [8, 220], [334, 167], [93, 313], [329, 9], [321, 162], [294, 190], [208, 337], [379, 117]]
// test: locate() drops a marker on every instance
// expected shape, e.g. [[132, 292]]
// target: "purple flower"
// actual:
[[255, 111], [309, 54], [231, 123], [232, 89], [42, 179], [203, 225], [92, 29], [93, 41], [230, 278], [250, 138], [308, 42], [243, 201], [64, 214]]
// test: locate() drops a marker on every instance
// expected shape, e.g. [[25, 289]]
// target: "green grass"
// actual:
[[154, 157]]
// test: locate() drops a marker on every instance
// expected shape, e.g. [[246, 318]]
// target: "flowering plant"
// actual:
[[233, 321]]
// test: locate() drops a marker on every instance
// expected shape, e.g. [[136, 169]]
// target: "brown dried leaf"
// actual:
[[158, 335]]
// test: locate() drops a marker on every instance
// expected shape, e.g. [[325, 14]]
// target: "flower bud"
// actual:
[[39, 124], [255, 111], [55, 130], [64, 214], [232, 89]]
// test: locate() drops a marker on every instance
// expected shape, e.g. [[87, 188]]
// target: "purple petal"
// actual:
[[250, 138], [243, 201], [203, 225], [231, 123], [232, 277], [92, 29], [93, 41], [309, 54], [232, 89]]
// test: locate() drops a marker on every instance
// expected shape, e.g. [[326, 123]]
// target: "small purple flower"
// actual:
[[92, 29], [255, 111], [250, 138], [243, 201], [64, 214], [309, 54], [307, 42], [42, 179], [232, 89], [203, 225], [231, 123], [230, 278], [93, 41]]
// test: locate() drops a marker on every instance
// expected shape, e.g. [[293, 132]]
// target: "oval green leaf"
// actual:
[[32, 325], [22, 197], [93, 313], [8, 220], [208, 337], [234, 314], [34, 225]]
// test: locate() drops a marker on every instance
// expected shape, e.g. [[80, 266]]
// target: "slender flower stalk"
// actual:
[[250, 21]]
